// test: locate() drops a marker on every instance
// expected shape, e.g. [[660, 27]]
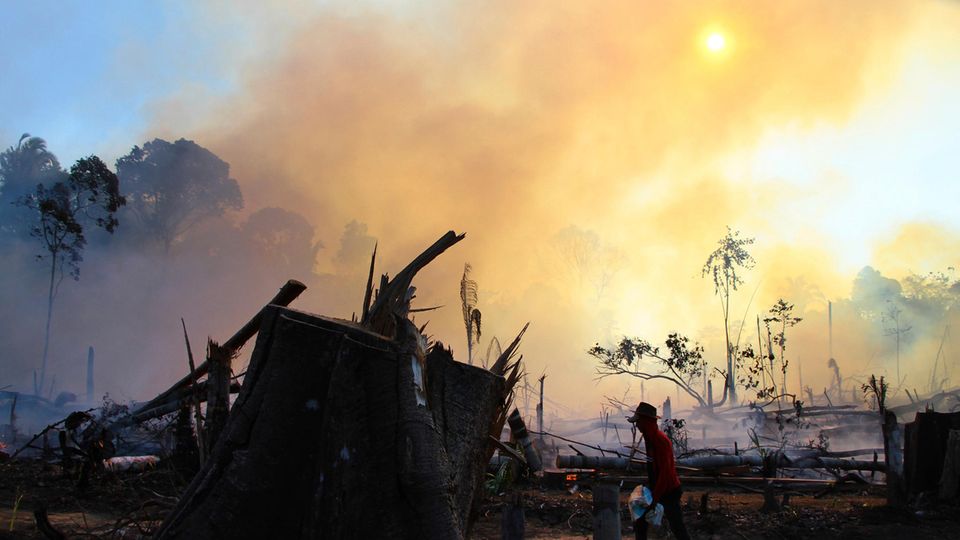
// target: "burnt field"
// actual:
[[132, 505]]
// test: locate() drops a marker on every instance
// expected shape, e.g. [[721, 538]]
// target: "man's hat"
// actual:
[[644, 409]]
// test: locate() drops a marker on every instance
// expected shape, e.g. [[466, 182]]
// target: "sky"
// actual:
[[829, 131]]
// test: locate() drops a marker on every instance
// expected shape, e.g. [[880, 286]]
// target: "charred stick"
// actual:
[[287, 294]]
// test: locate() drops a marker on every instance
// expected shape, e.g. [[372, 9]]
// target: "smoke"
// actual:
[[584, 150]]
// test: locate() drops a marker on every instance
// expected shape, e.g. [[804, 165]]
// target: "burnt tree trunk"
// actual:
[[218, 391], [340, 432], [893, 455], [186, 457]]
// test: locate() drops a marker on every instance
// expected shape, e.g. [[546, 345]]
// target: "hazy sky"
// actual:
[[830, 131]]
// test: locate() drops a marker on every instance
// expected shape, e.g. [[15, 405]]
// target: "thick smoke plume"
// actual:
[[585, 152]]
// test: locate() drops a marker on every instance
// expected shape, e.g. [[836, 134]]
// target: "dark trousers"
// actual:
[[671, 511]]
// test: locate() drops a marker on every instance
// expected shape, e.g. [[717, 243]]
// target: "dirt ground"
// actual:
[[130, 505], [115, 505], [733, 515]]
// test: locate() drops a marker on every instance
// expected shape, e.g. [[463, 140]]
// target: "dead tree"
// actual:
[[219, 360], [893, 452], [347, 430]]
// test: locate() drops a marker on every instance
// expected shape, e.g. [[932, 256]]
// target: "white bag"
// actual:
[[640, 500]]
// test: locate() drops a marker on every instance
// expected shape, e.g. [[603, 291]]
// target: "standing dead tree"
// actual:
[[892, 440], [338, 419]]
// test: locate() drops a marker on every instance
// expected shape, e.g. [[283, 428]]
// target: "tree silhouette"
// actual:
[[173, 186], [22, 168], [782, 314], [894, 325], [90, 194], [682, 364], [722, 266], [283, 239]]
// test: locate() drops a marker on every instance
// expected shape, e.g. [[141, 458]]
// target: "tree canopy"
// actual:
[[91, 193], [283, 239], [170, 187], [22, 168]]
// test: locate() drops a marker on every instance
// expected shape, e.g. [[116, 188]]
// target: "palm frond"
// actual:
[[503, 363], [493, 348]]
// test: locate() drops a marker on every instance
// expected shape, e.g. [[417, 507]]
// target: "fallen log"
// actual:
[[726, 480], [519, 430], [180, 399], [287, 294], [720, 461]]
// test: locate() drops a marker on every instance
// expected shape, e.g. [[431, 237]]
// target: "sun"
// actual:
[[716, 42]]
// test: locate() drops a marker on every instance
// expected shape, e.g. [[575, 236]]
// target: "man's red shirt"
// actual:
[[660, 451]]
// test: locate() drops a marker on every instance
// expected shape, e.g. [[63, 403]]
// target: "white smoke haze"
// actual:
[[586, 153]]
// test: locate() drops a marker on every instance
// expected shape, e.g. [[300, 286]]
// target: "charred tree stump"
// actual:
[[340, 432], [893, 454], [186, 454], [925, 448], [218, 391]]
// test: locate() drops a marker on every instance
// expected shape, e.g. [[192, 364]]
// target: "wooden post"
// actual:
[[186, 446], [512, 521], [830, 327], [197, 415], [13, 419], [90, 374], [893, 455], [218, 391], [606, 511], [540, 409]]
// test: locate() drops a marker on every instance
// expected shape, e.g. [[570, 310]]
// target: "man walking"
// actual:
[[661, 472]]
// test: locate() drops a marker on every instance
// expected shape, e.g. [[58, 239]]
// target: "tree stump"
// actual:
[[334, 435], [893, 454], [219, 360], [950, 478]]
